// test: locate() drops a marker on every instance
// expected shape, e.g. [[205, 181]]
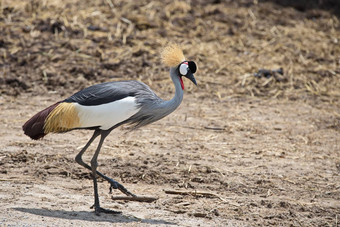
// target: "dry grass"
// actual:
[[63, 46]]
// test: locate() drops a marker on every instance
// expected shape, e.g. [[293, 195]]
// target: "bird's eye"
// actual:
[[183, 69]]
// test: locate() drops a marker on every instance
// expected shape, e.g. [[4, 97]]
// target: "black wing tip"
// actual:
[[34, 127]]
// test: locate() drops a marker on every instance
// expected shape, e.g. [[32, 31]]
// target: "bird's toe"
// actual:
[[115, 185]]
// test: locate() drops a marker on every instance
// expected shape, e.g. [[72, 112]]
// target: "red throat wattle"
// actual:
[[182, 84]]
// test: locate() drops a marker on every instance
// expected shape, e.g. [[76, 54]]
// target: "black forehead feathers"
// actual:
[[192, 66]]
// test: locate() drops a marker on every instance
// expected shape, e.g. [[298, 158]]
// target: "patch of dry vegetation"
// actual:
[[66, 45]]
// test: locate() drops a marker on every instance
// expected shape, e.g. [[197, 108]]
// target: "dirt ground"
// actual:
[[246, 149]]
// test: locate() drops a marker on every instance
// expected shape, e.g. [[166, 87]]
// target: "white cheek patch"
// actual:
[[107, 115], [183, 69]]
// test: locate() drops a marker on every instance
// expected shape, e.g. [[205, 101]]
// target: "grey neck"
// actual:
[[172, 104]]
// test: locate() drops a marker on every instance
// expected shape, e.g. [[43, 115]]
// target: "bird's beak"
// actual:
[[191, 77]]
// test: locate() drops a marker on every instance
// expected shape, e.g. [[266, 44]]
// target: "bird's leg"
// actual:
[[113, 184], [94, 165], [79, 159]]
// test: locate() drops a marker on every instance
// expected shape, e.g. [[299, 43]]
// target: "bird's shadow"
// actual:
[[90, 216]]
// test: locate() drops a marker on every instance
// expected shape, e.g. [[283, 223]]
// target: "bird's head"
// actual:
[[173, 56]]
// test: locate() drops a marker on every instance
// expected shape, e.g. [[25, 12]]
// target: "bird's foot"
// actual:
[[115, 185], [98, 210]]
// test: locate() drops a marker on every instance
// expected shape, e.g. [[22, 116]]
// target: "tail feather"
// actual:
[[34, 127]]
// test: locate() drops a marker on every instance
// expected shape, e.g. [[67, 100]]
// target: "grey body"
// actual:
[[152, 107]]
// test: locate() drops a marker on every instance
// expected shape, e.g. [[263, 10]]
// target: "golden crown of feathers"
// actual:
[[172, 55]]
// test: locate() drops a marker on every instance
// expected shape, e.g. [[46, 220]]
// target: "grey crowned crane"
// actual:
[[104, 107]]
